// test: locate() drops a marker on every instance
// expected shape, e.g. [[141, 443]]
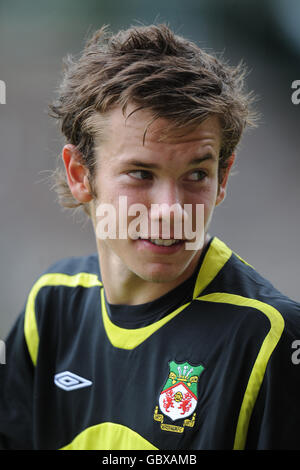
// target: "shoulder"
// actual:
[[251, 298], [56, 295], [247, 282], [239, 278], [76, 264], [61, 278], [69, 272]]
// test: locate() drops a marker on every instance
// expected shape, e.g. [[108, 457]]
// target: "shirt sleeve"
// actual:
[[16, 392], [275, 420]]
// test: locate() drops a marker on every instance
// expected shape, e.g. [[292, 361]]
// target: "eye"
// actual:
[[140, 174], [197, 175]]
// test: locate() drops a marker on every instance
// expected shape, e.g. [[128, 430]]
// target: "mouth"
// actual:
[[162, 242], [160, 245]]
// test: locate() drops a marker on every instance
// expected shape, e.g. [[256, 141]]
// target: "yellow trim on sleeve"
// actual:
[[259, 368], [109, 436], [51, 279]]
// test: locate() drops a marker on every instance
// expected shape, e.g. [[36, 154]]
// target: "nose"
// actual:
[[167, 192], [166, 211]]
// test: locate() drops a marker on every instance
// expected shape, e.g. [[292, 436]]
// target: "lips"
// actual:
[[160, 245], [164, 242]]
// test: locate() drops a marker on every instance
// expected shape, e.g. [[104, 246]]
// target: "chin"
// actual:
[[158, 274]]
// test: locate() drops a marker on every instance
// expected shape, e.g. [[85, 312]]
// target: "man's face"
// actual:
[[179, 170]]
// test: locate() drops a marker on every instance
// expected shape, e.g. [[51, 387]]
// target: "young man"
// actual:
[[151, 343]]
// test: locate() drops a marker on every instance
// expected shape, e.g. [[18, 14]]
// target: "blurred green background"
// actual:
[[259, 218]]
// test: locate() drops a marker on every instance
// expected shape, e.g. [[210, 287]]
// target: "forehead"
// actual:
[[139, 129]]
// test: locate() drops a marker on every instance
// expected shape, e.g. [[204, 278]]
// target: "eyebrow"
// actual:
[[153, 166]]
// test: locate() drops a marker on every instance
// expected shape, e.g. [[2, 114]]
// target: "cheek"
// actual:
[[206, 196]]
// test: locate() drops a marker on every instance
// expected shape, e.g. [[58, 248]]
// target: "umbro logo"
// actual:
[[69, 381]]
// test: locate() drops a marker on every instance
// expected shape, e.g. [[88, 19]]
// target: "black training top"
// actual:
[[209, 365]]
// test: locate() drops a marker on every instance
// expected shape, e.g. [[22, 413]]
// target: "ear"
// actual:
[[77, 174], [223, 184]]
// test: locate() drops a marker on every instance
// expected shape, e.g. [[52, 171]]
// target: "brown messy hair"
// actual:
[[156, 70]]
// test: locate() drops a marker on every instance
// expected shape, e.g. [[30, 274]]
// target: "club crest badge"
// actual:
[[179, 396]]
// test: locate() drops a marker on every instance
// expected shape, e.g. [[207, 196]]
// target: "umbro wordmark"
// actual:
[[69, 381]]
